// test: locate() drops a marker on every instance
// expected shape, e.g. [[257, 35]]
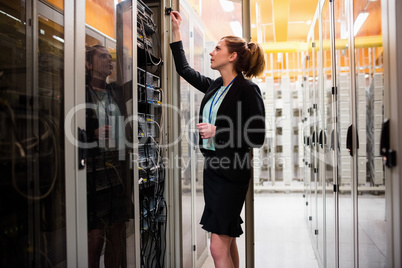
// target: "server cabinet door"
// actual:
[[109, 101], [370, 106], [33, 222], [194, 238]]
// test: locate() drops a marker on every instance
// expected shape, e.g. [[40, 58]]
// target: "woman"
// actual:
[[232, 121]]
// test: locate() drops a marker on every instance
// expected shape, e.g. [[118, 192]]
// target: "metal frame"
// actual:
[[322, 164], [173, 119], [353, 102], [249, 202], [392, 21], [335, 151], [76, 235], [136, 191]]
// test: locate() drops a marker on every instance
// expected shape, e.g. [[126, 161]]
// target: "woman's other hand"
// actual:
[[206, 130], [102, 132], [176, 21]]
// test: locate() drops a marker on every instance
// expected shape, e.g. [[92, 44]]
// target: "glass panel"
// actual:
[[319, 75], [369, 91], [109, 98], [199, 165], [344, 163], [32, 140]]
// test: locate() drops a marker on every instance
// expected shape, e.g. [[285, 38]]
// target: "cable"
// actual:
[[146, 47], [153, 205], [11, 114], [15, 141]]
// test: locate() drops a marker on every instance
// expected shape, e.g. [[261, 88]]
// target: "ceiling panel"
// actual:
[[295, 19]]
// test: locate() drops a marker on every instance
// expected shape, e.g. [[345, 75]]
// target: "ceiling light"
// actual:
[[58, 38], [236, 28], [308, 22], [227, 6], [253, 26], [361, 18], [8, 15]]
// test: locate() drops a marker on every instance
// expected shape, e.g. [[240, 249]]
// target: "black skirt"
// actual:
[[224, 199]]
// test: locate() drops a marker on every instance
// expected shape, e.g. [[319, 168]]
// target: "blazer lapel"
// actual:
[[230, 97]]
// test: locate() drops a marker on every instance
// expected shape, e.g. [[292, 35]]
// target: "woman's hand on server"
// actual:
[[176, 21]]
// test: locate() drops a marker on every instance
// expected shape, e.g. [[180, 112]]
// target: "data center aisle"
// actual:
[[281, 236]]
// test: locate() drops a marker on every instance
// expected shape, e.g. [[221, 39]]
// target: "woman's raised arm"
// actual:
[[176, 21]]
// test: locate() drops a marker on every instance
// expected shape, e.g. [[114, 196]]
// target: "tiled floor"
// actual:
[[281, 235]]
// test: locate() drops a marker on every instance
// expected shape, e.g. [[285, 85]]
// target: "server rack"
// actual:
[[151, 169]]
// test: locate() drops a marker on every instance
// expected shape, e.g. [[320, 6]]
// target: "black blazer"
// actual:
[[240, 121]]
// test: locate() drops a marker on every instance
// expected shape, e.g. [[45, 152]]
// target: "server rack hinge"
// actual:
[[334, 90], [313, 44], [310, 218], [316, 170], [314, 106], [316, 232], [194, 247], [306, 203]]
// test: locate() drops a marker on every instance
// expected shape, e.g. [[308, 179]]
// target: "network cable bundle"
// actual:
[[151, 174]]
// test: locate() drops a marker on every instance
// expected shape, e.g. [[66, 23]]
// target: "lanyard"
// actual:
[[214, 104], [107, 111]]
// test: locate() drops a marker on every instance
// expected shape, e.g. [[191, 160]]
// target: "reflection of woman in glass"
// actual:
[[107, 202], [231, 122]]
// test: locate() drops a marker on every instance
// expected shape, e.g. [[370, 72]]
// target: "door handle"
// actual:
[[314, 138], [388, 155], [333, 140], [349, 140], [82, 152], [322, 140]]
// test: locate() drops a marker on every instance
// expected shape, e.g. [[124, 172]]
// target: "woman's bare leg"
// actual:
[[221, 251], [234, 253]]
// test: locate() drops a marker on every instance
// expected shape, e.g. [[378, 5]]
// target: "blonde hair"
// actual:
[[250, 56]]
